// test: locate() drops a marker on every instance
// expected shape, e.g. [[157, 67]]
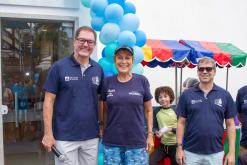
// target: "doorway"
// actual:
[[28, 49]]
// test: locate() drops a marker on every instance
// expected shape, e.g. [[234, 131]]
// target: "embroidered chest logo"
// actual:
[[134, 93], [95, 80], [68, 78], [218, 102], [245, 101], [196, 101], [110, 92]]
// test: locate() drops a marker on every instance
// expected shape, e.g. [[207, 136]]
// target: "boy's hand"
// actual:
[[158, 134], [164, 130]]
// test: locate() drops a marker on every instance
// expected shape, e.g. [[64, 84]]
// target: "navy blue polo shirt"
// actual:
[[125, 111], [205, 116], [76, 105], [241, 102]]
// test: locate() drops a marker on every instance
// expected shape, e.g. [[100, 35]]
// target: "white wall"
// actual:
[[202, 20]]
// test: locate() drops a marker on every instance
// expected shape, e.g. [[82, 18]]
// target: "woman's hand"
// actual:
[[150, 142]]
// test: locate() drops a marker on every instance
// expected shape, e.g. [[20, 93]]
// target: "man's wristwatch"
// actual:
[[179, 145]]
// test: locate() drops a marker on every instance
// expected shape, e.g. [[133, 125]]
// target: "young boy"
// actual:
[[166, 120]]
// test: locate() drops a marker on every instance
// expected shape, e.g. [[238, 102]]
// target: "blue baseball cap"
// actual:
[[123, 47]]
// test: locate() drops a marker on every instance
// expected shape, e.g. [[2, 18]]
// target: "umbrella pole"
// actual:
[[227, 76], [176, 84], [181, 80]]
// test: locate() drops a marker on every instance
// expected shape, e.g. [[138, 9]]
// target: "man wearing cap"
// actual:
[[72, 88], [202, 110], [127, 101]]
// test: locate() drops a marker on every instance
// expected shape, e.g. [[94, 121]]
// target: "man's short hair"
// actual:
[[85, 28], [207, 60], [164, 89]]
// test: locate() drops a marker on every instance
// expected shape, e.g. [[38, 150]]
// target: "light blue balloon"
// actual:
[[129, 7], [129, 22], [97, 23], [98, 6], [101, 155], [86, 3], [127, 38], [92, 14], [138, 54], [114, 13], [120, 2], [114, 69], [109, 33], [138, 69], [141, 38], [105, 64], [109, 51]]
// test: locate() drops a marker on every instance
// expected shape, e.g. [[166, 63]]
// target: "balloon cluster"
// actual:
[[118, 24]]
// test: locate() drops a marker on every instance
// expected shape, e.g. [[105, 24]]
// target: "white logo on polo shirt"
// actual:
[[95, 80], [245, 101], [110, 92], [67, 78], [134, 93], [196, 101], [218, 102]]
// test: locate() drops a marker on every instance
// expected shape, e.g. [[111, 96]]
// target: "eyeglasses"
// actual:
[[208, 69], [83, 41]]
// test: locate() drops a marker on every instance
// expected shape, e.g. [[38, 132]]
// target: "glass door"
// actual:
[[28, 49]]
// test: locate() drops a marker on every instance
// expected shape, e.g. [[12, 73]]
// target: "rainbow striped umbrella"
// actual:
[[165, 53], [224, 54]]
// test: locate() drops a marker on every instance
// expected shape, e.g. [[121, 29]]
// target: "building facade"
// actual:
[[34, 34]]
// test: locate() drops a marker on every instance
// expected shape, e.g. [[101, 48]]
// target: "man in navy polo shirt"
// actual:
[[72, 88], [241, 102], [202, 110]]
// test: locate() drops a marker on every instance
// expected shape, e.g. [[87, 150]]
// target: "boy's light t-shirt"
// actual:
[[167, 118]]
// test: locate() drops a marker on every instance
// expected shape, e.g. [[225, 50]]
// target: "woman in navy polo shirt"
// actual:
[[127, 101]]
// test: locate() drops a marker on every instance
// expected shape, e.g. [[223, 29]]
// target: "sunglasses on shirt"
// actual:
[[208, 69]]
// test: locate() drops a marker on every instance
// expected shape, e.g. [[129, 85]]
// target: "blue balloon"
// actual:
[[129, 22], [103, 52], [114, 13], [109, 51], [105, 64], [86, 3], [129, 7], [98, 6], [120, 2], [127, 38], [138, 69], [138, 54], [109, 33], [97, 23], [141, 38]]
